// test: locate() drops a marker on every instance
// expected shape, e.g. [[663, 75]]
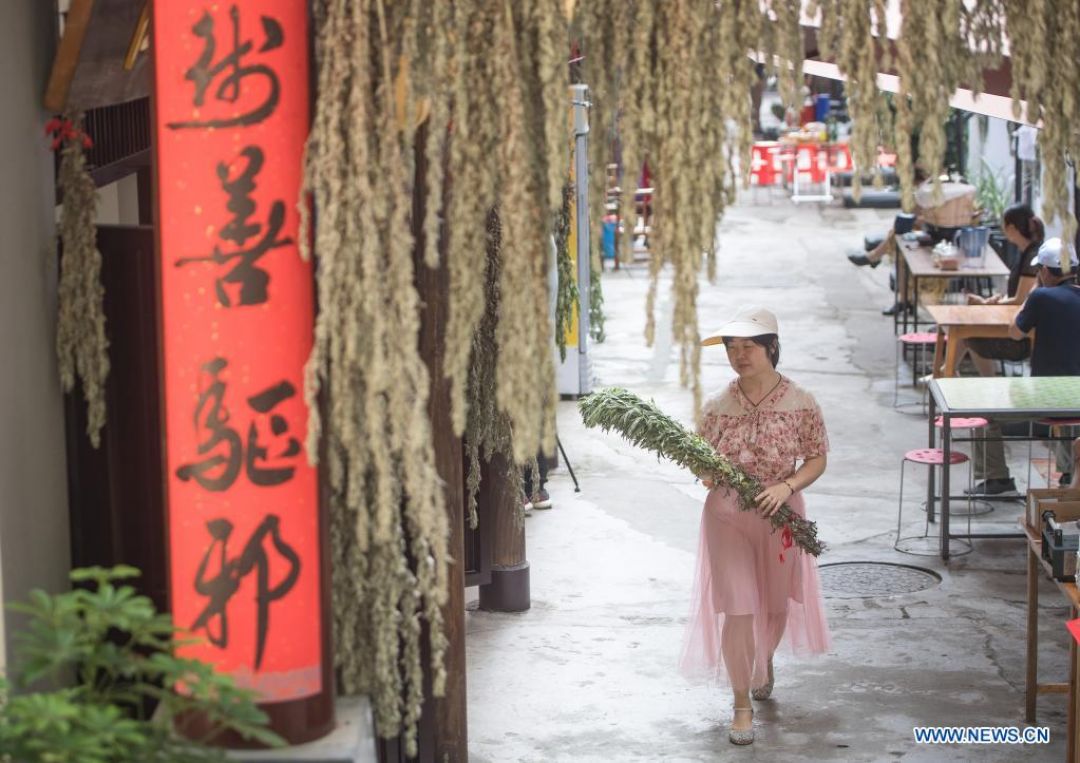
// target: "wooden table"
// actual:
[[1027, 398], [919, 263], [1035, 568], [967, 322]]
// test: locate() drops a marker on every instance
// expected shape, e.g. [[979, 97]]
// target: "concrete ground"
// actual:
[[589, 673]]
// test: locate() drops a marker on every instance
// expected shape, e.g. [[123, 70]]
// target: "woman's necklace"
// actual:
[[779, 378]]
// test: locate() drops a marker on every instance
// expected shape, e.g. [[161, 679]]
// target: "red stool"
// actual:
[[921, 342], [925, 544], [961, 423], [975, 508]]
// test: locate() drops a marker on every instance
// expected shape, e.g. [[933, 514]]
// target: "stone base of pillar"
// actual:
[[508, 590], [351, 741]]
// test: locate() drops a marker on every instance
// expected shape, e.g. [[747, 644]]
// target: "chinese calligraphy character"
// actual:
[[251, 279], [222, 445], [220, 588], [264, 402], [205, 71]]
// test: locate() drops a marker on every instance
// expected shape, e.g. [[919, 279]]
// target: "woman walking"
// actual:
[[753, 587]]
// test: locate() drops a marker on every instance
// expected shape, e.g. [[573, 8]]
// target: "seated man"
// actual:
[[1052, 309]]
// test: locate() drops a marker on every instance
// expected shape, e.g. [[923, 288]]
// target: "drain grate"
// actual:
[[864, 580]]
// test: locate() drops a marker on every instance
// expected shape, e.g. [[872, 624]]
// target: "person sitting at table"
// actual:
[[903, 223], [1052, 310], [873, 258], [1025, 231]]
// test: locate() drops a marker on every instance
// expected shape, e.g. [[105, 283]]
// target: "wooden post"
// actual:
[[449, 721], [499, 504], [1070, 733], [1032, 683]]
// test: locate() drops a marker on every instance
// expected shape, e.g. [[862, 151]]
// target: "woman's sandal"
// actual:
[[764, 692], [742, 736]]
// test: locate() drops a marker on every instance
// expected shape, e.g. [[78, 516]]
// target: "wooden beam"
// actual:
[[89, 68], [110, 173], [76, 24], [140, 38]]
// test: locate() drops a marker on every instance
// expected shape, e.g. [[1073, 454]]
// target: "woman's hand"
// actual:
[[975, 299], [773, 497]]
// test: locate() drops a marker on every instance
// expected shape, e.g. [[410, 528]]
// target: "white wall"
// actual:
[[34, 543], [118, 203], [127, 200], [995, 147]]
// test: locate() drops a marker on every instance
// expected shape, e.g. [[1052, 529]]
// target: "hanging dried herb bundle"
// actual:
[[668, 78], [81, 344], [852, 31], [596, 305], [931, 58], [783, 39], [388, 523], [672, 81], [1048, 80], [597, 27], [645, 425], [665, 78], [497, 126], [523, 333], [509, 145], [947, 44], [488, 431], [474, 140], [566, 301]]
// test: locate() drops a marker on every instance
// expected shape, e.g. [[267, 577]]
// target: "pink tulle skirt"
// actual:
[[744, 571]]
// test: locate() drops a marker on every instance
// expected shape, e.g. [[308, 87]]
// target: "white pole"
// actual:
[[581, 176]]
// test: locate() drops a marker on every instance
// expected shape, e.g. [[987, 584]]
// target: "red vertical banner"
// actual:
[[231, 117]]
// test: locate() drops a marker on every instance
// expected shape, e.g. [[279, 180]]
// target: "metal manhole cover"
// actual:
[[862, 580]]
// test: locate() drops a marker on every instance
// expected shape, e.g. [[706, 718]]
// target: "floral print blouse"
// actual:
[[767, 439]]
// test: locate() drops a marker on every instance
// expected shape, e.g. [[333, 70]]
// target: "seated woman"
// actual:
[[1025, 231]]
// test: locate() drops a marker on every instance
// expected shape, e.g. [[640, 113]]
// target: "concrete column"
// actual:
[[34, 543]]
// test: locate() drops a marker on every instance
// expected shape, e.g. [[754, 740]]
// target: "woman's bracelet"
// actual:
[[789, 487]]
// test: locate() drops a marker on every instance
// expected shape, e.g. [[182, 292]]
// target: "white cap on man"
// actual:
[[1050, 255], [748, 321]]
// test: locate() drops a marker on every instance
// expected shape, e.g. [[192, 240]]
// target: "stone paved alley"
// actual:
[[589, 672]]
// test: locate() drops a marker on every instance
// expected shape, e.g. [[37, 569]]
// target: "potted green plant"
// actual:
[[991, 195], [93, 663]]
